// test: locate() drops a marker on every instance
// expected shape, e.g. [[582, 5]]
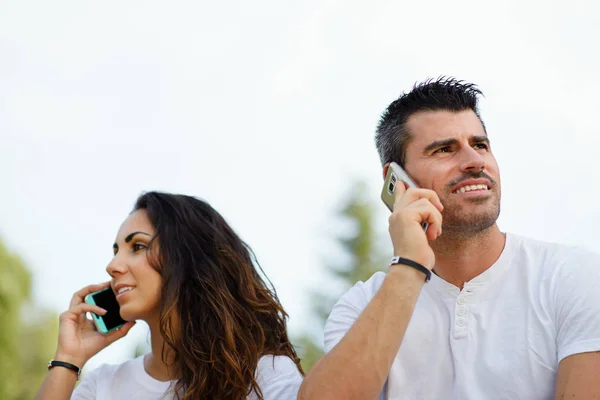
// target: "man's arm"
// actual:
[[576, 304], [358, 366], [579, 377]]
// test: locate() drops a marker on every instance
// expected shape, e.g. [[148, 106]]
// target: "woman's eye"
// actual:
[[138, 246]]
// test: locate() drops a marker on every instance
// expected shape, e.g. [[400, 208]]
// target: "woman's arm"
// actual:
[[78, 341]]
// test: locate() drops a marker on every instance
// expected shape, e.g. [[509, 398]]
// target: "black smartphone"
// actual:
[[106, 299]]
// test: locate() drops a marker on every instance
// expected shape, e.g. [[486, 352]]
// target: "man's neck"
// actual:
[[458, 259]]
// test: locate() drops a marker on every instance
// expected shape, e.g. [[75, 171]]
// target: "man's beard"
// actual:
[[459, 221]]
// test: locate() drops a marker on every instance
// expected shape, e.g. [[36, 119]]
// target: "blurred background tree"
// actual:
[[28, 333], [360, 243]]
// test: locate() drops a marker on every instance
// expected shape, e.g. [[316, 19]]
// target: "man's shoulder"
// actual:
[[359, 295], [278, 373], [552, 256], [369, 287]]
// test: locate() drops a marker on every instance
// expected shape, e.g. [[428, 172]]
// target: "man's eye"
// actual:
[[138, 246], [483, 146], [444, 149]]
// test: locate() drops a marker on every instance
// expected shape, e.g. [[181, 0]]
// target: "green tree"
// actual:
[[360, 243], [27, 335]]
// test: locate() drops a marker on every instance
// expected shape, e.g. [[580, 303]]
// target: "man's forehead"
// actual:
[[425, 127]]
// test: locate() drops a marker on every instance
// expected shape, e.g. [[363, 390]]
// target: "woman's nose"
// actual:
[[115, 267]]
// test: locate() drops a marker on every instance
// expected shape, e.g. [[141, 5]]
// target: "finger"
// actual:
[[118, 333], [89, 325], [399, 192], [419, 212], [79, 296], [426, 212], [81, 309], [413, 194], [80, 321]]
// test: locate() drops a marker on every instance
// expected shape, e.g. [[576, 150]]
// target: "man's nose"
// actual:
[[472, 160]]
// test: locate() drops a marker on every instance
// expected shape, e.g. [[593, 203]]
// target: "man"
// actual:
[[503, 317]]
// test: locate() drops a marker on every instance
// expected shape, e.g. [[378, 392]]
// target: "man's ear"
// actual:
[[385, 169]]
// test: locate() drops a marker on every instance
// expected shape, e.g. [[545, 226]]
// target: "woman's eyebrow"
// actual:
[[131, 235], [128, 239]]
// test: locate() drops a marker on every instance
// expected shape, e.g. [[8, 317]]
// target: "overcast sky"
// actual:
[[267, 110]]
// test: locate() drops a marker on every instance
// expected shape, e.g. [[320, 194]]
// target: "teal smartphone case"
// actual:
[[98, 320]]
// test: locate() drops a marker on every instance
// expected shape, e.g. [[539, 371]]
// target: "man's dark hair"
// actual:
[[444, 93]]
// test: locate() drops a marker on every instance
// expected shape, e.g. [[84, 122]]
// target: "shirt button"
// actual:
[[460, 322], [462, 311], [461, 300]]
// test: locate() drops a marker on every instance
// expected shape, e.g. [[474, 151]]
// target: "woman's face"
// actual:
[[135, 283]]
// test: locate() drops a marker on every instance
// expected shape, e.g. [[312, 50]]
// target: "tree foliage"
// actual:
[[27, 335], [360, 245]]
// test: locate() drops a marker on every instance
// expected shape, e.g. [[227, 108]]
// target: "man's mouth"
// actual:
[[471, 188]]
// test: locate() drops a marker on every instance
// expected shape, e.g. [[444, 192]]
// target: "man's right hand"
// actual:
[[413, 207]]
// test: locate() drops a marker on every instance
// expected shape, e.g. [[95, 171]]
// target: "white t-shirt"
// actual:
[[501, 337], [277, 377]]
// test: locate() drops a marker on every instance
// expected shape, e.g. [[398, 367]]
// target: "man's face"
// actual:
[[450, 154]]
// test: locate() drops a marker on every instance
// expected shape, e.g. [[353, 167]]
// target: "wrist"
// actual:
[[406, 272], [55, 365], [423, 259], [79, 362], [413, 264]]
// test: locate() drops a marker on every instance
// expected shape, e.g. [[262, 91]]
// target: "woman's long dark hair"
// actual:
[[217, 315]]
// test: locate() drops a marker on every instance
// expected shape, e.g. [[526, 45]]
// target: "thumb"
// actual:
[[119, 332]]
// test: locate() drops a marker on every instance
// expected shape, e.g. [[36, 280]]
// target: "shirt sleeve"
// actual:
[[86, 390], [577, 305], [278, 378], [348, 308]]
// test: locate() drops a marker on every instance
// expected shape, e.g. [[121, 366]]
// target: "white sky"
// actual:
[[267, 110]]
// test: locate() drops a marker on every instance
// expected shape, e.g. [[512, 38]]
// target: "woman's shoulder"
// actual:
[[271, 363], [278, 377], [127, 368], [118, 381]]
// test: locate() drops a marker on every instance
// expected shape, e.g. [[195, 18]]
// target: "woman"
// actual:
[[217, 331]]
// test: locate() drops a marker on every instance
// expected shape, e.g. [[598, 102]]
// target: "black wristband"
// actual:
[[54, 363], [411, 263]]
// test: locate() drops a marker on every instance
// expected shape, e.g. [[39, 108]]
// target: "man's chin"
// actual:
[[470, 223]]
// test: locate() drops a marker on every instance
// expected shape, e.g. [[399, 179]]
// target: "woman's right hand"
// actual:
[[78, 340]]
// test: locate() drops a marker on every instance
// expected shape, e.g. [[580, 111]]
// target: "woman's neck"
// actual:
[[153, 362]]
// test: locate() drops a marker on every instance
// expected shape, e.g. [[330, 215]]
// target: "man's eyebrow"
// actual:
[[439, 143], [129, 237], [480, 139], [450, 142]]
